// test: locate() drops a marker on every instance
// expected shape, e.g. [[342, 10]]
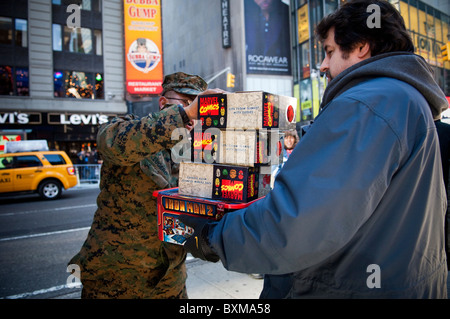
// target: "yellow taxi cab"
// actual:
[[44, 172]]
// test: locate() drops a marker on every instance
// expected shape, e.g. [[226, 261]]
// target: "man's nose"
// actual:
[[324, 65]]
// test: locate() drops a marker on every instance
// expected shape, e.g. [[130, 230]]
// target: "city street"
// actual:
[[38, 238]]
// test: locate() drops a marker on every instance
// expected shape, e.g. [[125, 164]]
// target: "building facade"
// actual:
[[63, 63], [427, 21], [54, 62], [195, 43]]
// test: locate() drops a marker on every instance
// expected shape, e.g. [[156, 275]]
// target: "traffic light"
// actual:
[[230, 80], [446, 51]]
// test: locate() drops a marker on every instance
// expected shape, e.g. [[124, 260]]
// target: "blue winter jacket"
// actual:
[[358, 209]]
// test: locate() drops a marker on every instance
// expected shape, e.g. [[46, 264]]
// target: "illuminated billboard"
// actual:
[[267, 37], [143, 46]]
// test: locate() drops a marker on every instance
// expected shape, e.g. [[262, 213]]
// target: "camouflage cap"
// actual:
[[184, 83]]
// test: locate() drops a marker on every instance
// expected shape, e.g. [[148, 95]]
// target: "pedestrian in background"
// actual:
[[290, 140], [358, 209], [122, 256]]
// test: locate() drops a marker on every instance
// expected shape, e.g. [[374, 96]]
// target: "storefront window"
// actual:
[[99, 86], [88, 5], [78, 40], [59, 84], [6, 83], [14, 81], [22, 83], [80, 85]]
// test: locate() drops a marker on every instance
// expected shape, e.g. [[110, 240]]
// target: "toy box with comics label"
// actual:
[[237, 147], [247, 110], [171, 205], [219, 182]]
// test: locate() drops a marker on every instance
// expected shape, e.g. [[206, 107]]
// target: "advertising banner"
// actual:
[[143, 46], [303, 24], [267, 37]]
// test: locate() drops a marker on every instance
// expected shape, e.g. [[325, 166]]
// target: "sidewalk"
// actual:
[[208, 281], [212, 281]]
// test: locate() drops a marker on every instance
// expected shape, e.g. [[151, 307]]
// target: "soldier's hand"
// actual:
[[192, 109], [198, 244]]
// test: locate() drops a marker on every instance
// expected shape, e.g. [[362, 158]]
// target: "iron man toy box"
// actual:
[[171, 205], [247, 110]]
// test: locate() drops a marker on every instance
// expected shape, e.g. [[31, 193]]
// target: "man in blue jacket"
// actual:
[[358, 209]]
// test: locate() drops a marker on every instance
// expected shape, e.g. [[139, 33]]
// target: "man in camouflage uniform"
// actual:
[[122, 256]]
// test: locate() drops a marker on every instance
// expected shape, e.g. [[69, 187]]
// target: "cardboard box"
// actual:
[[247, 110], [237, 147], [205, 145], [216, 181], [171, 205]]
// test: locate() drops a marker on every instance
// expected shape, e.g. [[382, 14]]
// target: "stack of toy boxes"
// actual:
[[238, 139]]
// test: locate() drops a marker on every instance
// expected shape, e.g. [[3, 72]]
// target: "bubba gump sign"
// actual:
[[143, 46]]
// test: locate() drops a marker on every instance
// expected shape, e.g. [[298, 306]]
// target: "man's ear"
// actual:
[[162, 102], [364, 51]]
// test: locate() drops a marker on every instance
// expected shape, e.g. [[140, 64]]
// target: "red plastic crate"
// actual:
[[171, 205]]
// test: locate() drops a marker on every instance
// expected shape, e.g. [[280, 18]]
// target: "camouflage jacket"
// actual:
[[123, 236]]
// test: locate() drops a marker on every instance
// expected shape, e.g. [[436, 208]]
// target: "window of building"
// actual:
[[21, 33], [6, 80], [5, 30], [56, 37], [98, 42], [18, 27], [22, 83], [78, 40], [14, 81], [76, 84]]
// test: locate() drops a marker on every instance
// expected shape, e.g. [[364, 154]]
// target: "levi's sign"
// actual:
[[77, 119]]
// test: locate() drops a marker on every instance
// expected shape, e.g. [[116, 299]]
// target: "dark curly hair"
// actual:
[[351, 28]]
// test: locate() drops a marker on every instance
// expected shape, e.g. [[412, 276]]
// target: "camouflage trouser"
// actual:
[[129, 284]]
